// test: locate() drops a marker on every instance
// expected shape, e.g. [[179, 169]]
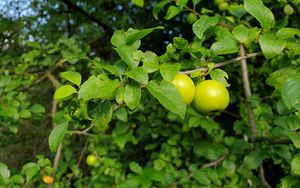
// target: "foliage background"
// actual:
[[117, 103]]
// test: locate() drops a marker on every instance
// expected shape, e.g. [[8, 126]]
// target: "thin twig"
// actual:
[[82, 153], [214, 163], [263, 178], [221, 64], [81, 133]]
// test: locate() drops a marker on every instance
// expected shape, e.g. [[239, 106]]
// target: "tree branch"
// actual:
[[263, 178], [217, 65], [251, 119], [214, 163], [271, 141], [91, 17], [82, 153], [247, 90], [55, 84]]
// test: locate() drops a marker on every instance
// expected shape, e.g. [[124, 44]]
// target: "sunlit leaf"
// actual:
[[262, 13], [72, 76], [64, 91], [167, 94], [57, 135]]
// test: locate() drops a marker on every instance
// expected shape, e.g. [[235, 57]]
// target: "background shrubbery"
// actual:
[[93, 77]]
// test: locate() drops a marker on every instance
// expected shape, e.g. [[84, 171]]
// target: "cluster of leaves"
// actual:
[[130, 116]]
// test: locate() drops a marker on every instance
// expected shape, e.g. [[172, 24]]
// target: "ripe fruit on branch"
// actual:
[[91, 160], [47, 179], [185, 86], [210, 95]]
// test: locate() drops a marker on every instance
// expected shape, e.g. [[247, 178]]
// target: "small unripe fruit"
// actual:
[[223, 6], [91, 160], [288, 9], [191, 18]]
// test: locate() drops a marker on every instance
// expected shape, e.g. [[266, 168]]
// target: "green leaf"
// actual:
[[99, 87], [288, 33], [277, 78], [4, 171], [203, 24], [25, 114], [172, 11], [135, 167], [229, 166], [150, 62], [30, 170], [289, 123], [153, 174], [126, 54], [295, 138], [181, 3], [253, 159], [17, 179], [139, 34], [168, 71], [209, 151], [290, 92], [295, 166], [72, 76], [103, 115], [37, 108], [158, 6], [121, 139], [64, 91], [57, 135], [201, 177], [119, 38], [121, 114], [237, 10], [270, 46], [262, 13], [220, 75], [121, 127], [132, 96], [120, 95], [240, 32], [195, 2], [208, 124], [180, 43], [132, 182], [139, 75], [139, 3], [167, 94], [33, 45], [225, 46]]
